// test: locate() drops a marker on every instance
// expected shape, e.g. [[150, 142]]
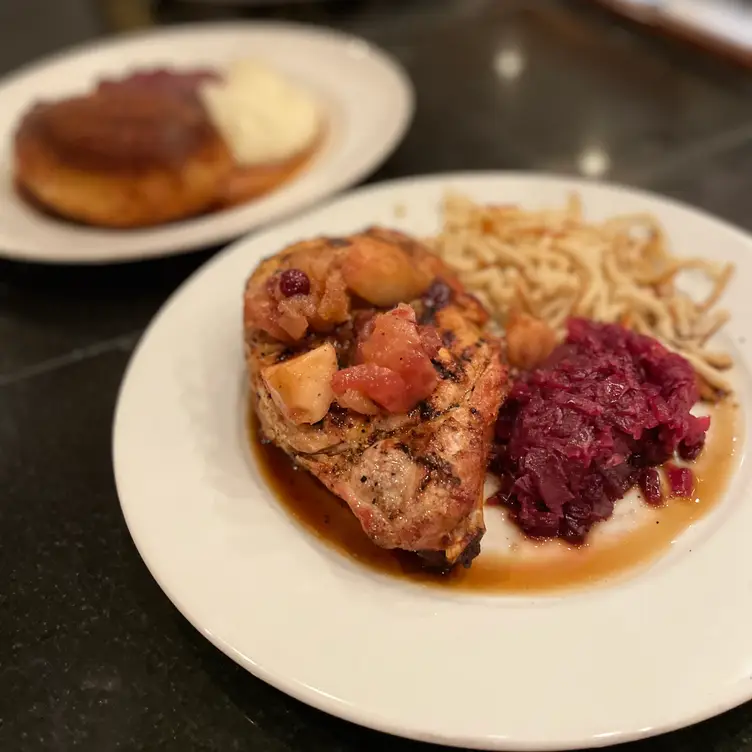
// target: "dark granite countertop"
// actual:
[[93, 656]]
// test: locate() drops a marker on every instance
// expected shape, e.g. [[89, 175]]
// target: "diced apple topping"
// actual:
[[352, 399], [301, 387], [303, 292], [529, 341], [382, 273], [394, 366]]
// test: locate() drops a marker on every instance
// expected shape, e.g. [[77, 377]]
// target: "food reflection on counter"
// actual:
[[374, 366], [161, 145]]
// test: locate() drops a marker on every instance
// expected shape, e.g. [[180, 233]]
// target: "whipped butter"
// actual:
[[261, 115]]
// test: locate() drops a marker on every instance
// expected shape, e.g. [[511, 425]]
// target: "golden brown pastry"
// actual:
[[246, 182], [122, 157]]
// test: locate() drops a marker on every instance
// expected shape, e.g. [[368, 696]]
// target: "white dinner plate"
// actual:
[[366, 96], [666, 647]]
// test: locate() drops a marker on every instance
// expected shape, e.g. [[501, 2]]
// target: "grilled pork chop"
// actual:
[[391, 406]]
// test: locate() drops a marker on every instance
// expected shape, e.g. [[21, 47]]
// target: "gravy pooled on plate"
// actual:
[[560, 567]]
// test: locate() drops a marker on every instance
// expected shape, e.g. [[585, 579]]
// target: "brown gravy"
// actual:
[[329, 519]]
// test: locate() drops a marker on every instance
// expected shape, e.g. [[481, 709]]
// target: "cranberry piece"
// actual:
[[438, 295], [650, 485], [294, 282], [691, 451], [681, 481]]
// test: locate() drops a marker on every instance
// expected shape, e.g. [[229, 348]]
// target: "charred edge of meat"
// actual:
[[311, 340], [439, 466], [342, 337], [358, 305], [262, 340], [437, 470], [427, 411], [338, 415], [426, 316], [344, 344], [446, 373], [448, 338], [286, 354], [467, 354], [404, 448], [436, 561]]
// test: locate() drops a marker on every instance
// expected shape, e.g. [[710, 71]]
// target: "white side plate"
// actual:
[[368, 104]]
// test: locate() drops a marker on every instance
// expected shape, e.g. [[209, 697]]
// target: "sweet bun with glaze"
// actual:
[[122, 157], [247, 182]]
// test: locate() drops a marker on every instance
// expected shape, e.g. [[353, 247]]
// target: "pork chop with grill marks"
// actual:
[[370, 368]]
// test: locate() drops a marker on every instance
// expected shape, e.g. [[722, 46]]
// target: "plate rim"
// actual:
[[403, 117], [310, 695]]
